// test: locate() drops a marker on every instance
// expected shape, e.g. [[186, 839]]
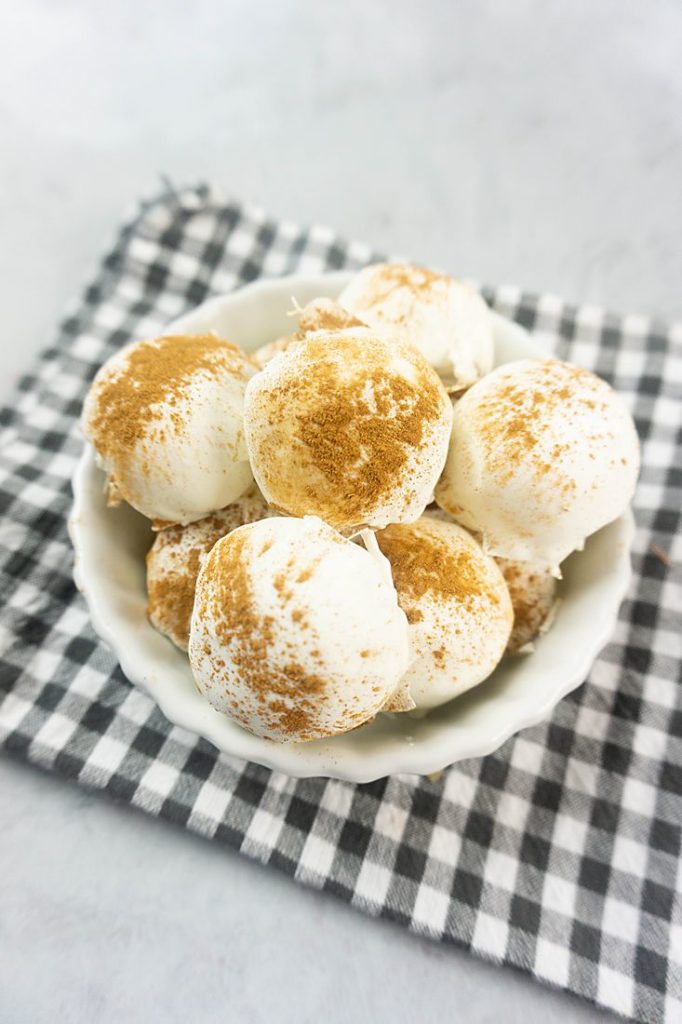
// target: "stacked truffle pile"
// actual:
[[299, 556]]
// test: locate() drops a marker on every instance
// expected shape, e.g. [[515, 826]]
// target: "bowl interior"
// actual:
[[110, 545]]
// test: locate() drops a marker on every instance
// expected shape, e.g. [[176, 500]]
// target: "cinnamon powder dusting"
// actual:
[[318, 315], [171, 599], [423, 562], [174, 561], [130, 399], [352, 420], [532, 596], [388, 278], [262, 356], [512, 419], [288, 695], [325, 315]]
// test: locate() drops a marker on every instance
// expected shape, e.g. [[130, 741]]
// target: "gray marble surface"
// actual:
[[537, 143]]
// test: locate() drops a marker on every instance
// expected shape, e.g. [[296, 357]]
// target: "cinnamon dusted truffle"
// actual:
[[326, 315], [533, 596], [542, 454], [318, 315], [447, 320], [165, 419], [296, 632], [262, 356], [348, 426], [457, 606], [175, 557]]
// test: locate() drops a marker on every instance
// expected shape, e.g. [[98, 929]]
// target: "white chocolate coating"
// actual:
[[457, 605], [541, 455], [348, 426], [317, 315], [175, 557], [447, 320], [533, 596], [296, 632], [262, 356], [182, 454]]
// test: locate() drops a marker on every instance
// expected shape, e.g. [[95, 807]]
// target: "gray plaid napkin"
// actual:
[[559, 853]]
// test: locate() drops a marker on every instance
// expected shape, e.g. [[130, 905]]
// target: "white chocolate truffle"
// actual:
[[542, 454], [447, 320], [317, 315], [165, 419], [326, 315], [533, 596], [457, 606], [262, 356], [296, 632], [348, 426], [175, 557]]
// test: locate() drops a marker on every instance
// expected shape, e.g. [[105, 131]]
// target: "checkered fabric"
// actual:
[[559, 853]]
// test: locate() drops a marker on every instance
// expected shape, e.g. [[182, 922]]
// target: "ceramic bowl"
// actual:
[[110, 545]]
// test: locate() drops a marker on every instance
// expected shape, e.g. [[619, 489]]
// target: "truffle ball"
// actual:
[[317, 315], [175, 557], [296, 632], [447, 320], [262, 356], [542, 454], [348, 426], [457, 606], [533, 596], [165, 419]]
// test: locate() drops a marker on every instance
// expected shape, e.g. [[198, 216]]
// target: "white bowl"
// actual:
[[110, 545]]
